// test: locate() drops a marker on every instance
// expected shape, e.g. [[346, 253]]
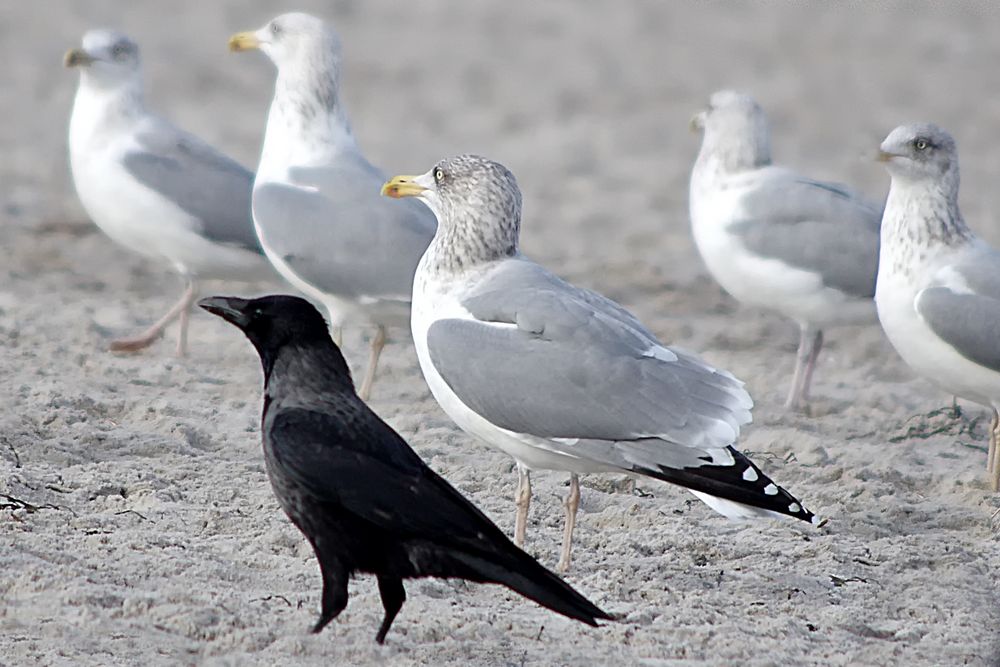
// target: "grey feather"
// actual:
[[970, 323], [566, 367], [821, 227], [336, 232], [520, 275], [203, 182], [979, 266]]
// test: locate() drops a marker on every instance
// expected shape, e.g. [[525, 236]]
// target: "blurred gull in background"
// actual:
[[152, 187], [778, 240], [316, 203]]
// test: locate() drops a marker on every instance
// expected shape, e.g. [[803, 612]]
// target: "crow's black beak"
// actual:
[[230, 308]]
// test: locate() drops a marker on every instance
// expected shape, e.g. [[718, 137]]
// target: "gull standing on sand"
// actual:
[[558, 377], [938, 293], [152, 187], [778, 240], [316, 203]]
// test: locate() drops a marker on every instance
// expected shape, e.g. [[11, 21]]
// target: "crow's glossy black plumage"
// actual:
[[364, 499]]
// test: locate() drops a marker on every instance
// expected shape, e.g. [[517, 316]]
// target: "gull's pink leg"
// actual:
[[149, 336], [572, 503], [523, 502]]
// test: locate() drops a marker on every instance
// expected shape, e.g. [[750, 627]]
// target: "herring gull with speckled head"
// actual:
[[938, 293], [153, 188], [561, 378]]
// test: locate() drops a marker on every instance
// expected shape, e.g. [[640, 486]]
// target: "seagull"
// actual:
[[152, 187], [316, 203], [365, 500], [938, 293], [561, 378], [776, 239]]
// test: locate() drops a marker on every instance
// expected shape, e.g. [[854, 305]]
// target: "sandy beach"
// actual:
[[137, 525]]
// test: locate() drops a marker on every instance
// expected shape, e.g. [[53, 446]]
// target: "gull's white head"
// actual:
[[735, 130], [477, 203], [307, 123], [107, 58], [921, 152], [292, 40]]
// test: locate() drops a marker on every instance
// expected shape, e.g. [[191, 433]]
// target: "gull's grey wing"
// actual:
[[556, 384], [820, 227], [336, 232], [576, 365], [197, 178], [577, 375], [519, 274], [970, 323], [979, 268]]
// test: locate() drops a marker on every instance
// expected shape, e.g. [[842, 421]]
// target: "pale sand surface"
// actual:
[[156, 539]]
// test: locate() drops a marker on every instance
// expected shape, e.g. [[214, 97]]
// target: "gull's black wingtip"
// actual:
[[738, 482]]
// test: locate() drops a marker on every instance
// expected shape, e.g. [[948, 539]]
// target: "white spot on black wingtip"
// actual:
[[771, 489], [750, 475], [794, 508]]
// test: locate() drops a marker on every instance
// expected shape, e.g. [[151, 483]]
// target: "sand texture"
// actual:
[[136, 522]]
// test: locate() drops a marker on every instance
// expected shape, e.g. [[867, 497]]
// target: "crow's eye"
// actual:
[[920, 144], [438, 175]]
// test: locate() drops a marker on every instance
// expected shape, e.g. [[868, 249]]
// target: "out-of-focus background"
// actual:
[[136, 524]]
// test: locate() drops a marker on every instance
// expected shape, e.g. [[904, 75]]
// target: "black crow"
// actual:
[[365, 500]]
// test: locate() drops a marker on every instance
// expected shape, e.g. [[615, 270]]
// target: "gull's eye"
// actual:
[[275, 29], [920, 144], [438, 175], [119, 51]]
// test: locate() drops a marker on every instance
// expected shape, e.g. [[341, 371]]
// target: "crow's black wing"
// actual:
[[365, 467]]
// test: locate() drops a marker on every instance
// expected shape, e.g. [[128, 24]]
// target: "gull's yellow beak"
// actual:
[[402, 186], [77, 58], [883, 156], [244, 41]]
